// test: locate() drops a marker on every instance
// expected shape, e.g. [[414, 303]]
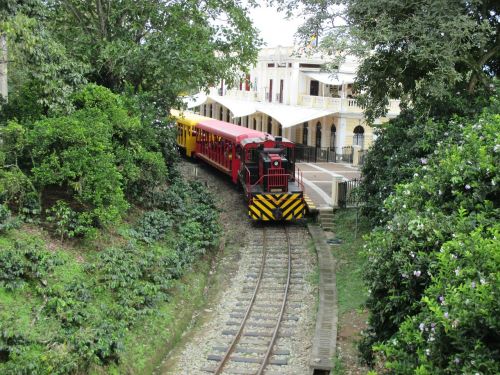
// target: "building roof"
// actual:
[[194, 100], [234, 133], [239, 108], [289, 115]]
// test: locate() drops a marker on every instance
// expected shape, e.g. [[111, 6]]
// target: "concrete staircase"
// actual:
[[326, 219]]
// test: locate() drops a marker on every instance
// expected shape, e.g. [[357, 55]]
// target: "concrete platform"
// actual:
[[318, 180], [325, 337]]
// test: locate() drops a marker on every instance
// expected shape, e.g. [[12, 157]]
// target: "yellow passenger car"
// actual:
[[186, 136]]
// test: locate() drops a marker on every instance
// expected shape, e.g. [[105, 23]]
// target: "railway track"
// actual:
[[257, 335]]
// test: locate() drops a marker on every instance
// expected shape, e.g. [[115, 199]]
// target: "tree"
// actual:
[[165, 48], [429, 53]]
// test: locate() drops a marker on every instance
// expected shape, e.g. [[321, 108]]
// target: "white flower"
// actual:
[[457, 271], [417, 273], [421, 326]]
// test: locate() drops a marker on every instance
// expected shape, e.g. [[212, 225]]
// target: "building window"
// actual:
[[204, 109], [221, 113], [318, 134], [227, 116], [305, 131], [254, 124], [269, 125], [281, 91], [280, 130], [359, 136], [314, 88], [270, 65], [333, 134], [239, 121], [210, 110]]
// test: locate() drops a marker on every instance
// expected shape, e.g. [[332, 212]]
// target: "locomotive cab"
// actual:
[[273, 167]]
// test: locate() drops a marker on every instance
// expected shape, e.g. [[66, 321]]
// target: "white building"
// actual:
[[290, 95]]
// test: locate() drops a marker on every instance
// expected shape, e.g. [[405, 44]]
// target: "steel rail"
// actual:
[[237, 337], [280, 318]]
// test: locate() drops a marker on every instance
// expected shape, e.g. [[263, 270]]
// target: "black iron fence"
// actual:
[[309, 154], [348, 196]]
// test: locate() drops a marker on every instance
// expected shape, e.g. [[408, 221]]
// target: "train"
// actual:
[[263, 164]]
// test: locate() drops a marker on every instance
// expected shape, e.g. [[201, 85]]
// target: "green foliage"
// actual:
[[402, 145], [25, 261], [6, 220], [153, 226], [451, 199], [68, 222], [159, 47], [457, 329]]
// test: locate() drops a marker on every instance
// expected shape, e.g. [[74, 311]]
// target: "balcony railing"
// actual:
[[341, 105]]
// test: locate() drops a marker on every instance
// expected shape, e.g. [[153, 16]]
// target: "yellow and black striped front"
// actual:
[[276, 207]]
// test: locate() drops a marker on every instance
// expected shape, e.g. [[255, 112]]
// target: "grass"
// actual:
[[350, 288]]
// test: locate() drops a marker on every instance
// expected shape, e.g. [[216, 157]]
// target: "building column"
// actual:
[[335, 190]]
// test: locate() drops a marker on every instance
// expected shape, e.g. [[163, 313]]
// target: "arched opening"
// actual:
[[318, 134], [269, 125], [305, 132], [359, 136], [333, 135]]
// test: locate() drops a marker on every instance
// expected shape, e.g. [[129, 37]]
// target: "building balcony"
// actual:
[[342, 105], [252, 96]]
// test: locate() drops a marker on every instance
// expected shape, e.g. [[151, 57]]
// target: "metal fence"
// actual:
[[346, 155], [347, 193], [309, 154]]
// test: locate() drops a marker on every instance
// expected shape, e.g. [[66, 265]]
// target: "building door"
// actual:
[[318, 134], [254, 124], [314, 88], [333, 134], [269, 125], [305, 132], [280, 130]]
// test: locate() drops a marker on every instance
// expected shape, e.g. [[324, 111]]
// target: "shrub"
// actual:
[[26, 261], [153, 226], [450, 196]]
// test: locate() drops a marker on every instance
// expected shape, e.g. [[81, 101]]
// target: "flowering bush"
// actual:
[[452, 200]]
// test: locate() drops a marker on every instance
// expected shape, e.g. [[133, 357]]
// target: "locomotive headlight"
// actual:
[[276, 163]]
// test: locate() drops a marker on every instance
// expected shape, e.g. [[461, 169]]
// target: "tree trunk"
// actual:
[[3, 67]]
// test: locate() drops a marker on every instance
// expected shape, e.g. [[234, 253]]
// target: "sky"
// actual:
[[274, 29]]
